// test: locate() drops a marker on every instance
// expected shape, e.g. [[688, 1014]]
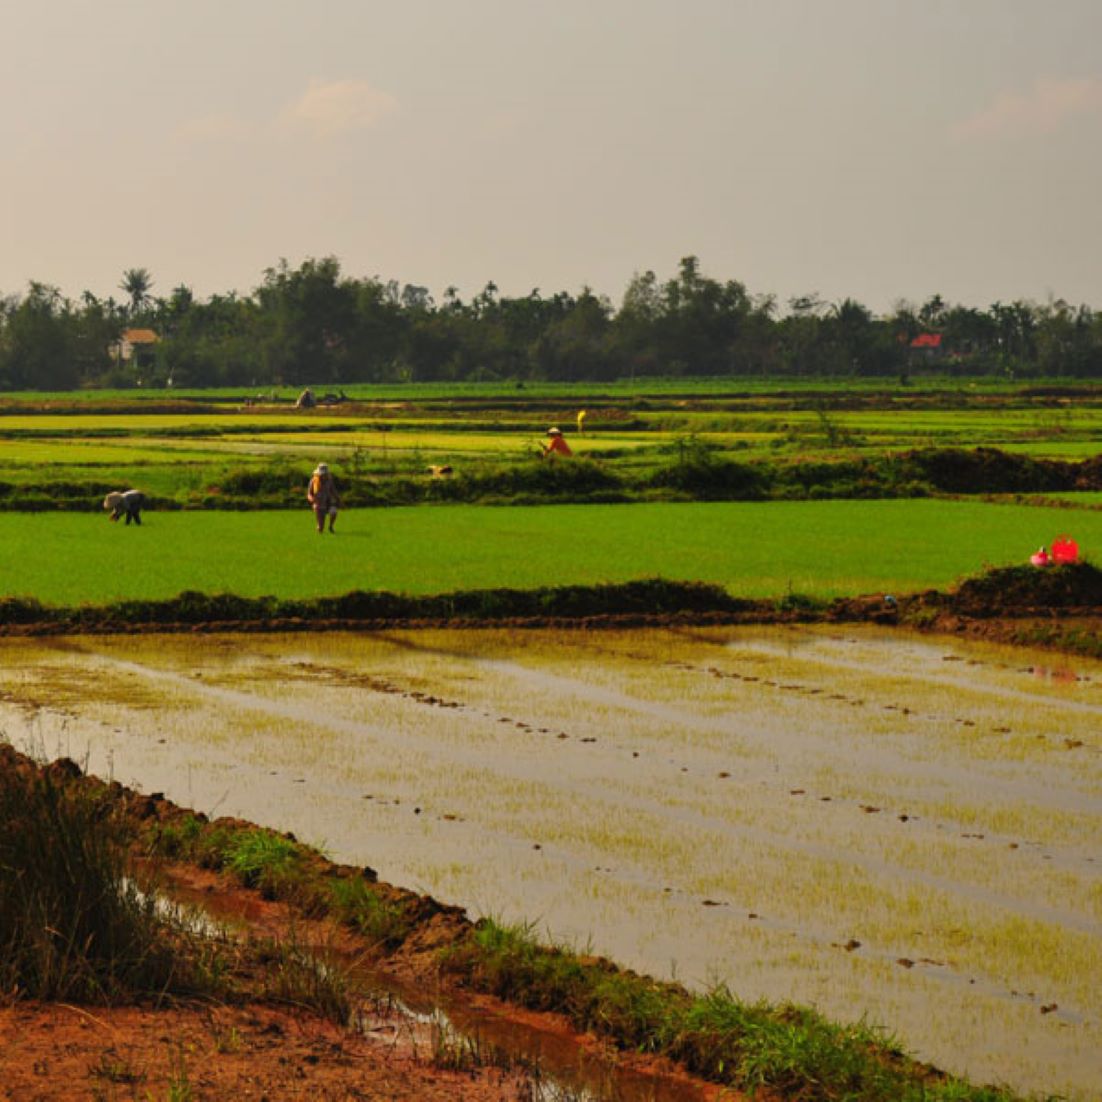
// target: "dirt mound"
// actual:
[[1014, 590]]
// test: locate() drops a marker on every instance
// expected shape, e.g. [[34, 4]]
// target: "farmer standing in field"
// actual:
[[322, 495]]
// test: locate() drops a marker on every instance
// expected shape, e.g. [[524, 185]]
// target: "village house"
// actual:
[[135, 345]]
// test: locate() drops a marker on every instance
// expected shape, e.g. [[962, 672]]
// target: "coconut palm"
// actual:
[[136, 282]]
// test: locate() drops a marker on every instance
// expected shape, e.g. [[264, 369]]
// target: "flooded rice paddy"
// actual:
[[882, 825]]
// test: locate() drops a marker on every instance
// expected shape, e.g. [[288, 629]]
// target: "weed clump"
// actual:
[[73, 924]]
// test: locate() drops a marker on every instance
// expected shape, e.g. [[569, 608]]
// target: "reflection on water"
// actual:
[[868, 822]]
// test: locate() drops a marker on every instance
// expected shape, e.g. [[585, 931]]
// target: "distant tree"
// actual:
[[39, 346], [137, 283]]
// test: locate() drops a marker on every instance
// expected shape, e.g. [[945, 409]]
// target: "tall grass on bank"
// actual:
[[73, 926]]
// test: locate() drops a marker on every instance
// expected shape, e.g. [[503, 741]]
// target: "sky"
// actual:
[[883, 150]]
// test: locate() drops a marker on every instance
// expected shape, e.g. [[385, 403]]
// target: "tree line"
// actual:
[[313, 324]]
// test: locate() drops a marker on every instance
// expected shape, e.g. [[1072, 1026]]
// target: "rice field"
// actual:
[[766, 549], [871, 823]]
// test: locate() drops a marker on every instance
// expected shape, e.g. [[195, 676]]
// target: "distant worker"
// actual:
[[581, 420], [1040, 557], [323, 496], [129, 502], [556, 445]]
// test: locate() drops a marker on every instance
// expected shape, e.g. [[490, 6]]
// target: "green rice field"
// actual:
[[817, 548]]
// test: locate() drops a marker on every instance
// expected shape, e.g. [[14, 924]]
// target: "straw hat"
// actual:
[[554, 432]]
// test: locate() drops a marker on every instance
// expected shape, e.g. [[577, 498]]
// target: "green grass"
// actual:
[[819, 548]]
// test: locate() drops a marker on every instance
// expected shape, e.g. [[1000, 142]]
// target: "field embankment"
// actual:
[[678, 471], [1059, 607]]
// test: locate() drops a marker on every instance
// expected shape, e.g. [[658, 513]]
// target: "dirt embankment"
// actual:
[[1058, 607]]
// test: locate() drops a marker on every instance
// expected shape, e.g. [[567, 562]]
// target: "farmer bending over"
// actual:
[[556, 445], [129, 502], [322, 495]]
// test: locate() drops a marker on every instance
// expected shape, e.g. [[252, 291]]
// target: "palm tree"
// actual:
[[136, 282]]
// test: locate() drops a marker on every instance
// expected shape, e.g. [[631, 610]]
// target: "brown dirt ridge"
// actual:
[[1059, 607]]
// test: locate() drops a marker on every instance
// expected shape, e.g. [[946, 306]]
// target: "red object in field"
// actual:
[[1040, 558], [1065, 549]]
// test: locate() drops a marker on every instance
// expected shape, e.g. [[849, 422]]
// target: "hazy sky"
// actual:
[[882, 149]]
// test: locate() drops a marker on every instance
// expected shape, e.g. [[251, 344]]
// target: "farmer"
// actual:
[[129, 502], [1041, 557], [322, 495], [556, 445]]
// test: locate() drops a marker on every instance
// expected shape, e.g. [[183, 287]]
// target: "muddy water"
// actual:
[[874, 824]]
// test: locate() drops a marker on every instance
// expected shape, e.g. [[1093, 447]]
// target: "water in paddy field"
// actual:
[[900, 827]]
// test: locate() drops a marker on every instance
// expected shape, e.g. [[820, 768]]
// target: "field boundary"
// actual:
[[1059, 608]]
